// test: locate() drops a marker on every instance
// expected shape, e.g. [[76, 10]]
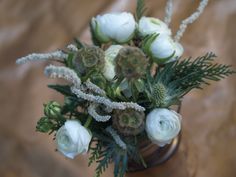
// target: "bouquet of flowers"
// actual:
[[121, 89]]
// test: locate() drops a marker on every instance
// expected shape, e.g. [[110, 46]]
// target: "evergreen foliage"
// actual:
[[140, 9]]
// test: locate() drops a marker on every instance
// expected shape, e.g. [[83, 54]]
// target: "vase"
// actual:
[[153, 154]]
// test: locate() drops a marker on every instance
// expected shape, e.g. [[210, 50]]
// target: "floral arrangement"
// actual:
[[121, 89]]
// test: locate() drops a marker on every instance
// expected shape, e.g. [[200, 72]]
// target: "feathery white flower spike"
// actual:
[[57, 56], [94, 88], [116, 137], [99, 118], [63, 72], [72, 48], [106, 101], [184, 24], [169, 12]]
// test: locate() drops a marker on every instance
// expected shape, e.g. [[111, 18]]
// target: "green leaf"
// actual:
[[140, 9], [94, 37], [63, 89], [79, 44]]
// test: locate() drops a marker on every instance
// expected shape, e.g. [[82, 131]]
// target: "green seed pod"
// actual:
[[128, 122], [44, 125], [52, 109], [89, 57], [159, 94], [131, 63]]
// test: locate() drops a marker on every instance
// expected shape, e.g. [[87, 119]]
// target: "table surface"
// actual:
[[209, 117]]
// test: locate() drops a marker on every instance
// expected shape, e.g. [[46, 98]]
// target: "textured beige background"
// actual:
[[209, 124]]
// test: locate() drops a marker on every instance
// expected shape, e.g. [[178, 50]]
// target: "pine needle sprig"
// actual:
[[95, 152], [200, 71], [140, 9], [176, 79], [104, 160]]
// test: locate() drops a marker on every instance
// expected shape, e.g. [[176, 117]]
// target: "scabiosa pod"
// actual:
[[128, 122], [87, 58], [117, 27]]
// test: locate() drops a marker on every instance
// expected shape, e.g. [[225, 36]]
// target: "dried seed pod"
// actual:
[[131, 63], [89, 57], [128, 122]]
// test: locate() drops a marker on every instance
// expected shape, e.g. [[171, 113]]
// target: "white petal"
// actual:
[[162, 47], [72, 127], [149, 25]]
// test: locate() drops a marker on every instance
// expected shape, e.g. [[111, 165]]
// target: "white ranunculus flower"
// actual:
[[163, 49], [162, 125], [119, 27], [149, 25], [179, 50], [110, 55], [72, 139]]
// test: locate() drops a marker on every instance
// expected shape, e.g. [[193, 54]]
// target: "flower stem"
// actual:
[[88, 122]]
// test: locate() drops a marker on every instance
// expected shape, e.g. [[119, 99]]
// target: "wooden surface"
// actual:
[[209, 116]]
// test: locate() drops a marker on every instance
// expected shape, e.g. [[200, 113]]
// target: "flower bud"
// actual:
[[162, 49], [162, 125], [72, 139], [149, 25], [110, 55], [118, 27], [44, 125], [52, 109]]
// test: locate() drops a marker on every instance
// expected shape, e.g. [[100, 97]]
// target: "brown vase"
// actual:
[[154, 155]]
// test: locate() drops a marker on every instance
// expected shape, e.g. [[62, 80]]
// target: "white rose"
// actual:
[[72, 139], [163, 49], [119, 27], [149, 25], [162, 125], [110, 55]]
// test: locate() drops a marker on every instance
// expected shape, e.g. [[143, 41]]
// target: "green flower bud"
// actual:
[[52, 109], [44, 125], [159, 94], [128, 122]]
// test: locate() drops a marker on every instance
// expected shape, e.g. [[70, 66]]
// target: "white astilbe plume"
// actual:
[[190, 20], [169, 12], [72, 48], [57, 55], [63, 72], [94, 88], [99, 118], [116, 137], [106, 101]]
